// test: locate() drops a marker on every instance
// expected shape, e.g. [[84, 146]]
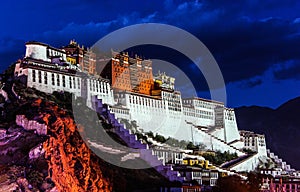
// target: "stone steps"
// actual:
[[131, 140]]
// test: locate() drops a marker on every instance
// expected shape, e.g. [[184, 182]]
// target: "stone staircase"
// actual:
[[279, 162], [131, 140], [230, 146]]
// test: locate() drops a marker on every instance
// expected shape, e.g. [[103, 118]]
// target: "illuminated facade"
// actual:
[[129, 74], [86, 58]]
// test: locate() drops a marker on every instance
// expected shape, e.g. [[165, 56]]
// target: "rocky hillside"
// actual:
[[42, 150], [281, 127]]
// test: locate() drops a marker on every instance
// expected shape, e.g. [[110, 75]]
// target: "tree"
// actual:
[[231, 184], [254, 181], [160, 138], [191, 146], [150, 134], [220, 157]]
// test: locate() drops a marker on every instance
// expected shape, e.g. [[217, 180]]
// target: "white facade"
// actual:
[[230, 125], [101, 88], [44, 52], [254, 142], [249, 164], [47, 77], [36, 51], [165, 117], [49, 81]]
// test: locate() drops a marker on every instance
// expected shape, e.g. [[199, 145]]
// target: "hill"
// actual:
[[281, 127]]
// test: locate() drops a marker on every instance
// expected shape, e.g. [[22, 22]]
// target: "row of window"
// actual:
[[122, 86], [52, 52], [173, 96], [73, 82], [168, 156], [122, 80], [119, 70], [145, 101], [205, 174], [98, 86], [229, 115], [120, 111], [56, 79], [174, 106], [199, 103], [198, 115]]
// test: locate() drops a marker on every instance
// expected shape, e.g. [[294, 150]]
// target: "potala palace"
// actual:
[[132, 92]]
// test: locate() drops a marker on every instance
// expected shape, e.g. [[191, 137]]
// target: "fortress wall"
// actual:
[[101, 89], [36, 51], [174, 124], [238, 144], [213, 143], [36, 152], [40, 129], [248, 165], [231, 129], [219, 133], [49, 87]]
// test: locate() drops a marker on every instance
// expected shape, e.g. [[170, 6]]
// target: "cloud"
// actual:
[[9, 57], [91, 32], [10, 44], [251, 83], [246, 38], [10, 50], [287, 70]]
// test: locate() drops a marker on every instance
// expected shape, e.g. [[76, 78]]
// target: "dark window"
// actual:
[[58, 79], [64, 81], [40, 77], [70, 82], [78, 83], [45, 78], [53, 79], [74, 83], [33, 75]]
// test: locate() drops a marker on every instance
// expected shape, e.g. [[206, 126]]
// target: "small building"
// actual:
[[206, 177], [254, 142], [282, 183]]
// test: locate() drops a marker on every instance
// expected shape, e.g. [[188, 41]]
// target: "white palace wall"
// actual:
[[48, 81], [152, 114], [230, 125]]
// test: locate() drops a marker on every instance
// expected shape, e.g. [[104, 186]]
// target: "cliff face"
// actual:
[[40, 138], [70, 165]]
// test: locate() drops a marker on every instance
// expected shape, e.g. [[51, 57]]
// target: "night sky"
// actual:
[[256, 43]]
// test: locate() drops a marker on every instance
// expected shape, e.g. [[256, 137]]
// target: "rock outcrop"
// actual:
[[70, 165]]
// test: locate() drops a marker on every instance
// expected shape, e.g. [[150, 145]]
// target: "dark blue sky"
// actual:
[[256, 43]]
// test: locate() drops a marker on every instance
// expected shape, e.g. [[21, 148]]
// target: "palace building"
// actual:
[[131, 91], [128, 82]]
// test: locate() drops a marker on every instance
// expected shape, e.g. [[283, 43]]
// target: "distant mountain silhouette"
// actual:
[[281, 127]]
